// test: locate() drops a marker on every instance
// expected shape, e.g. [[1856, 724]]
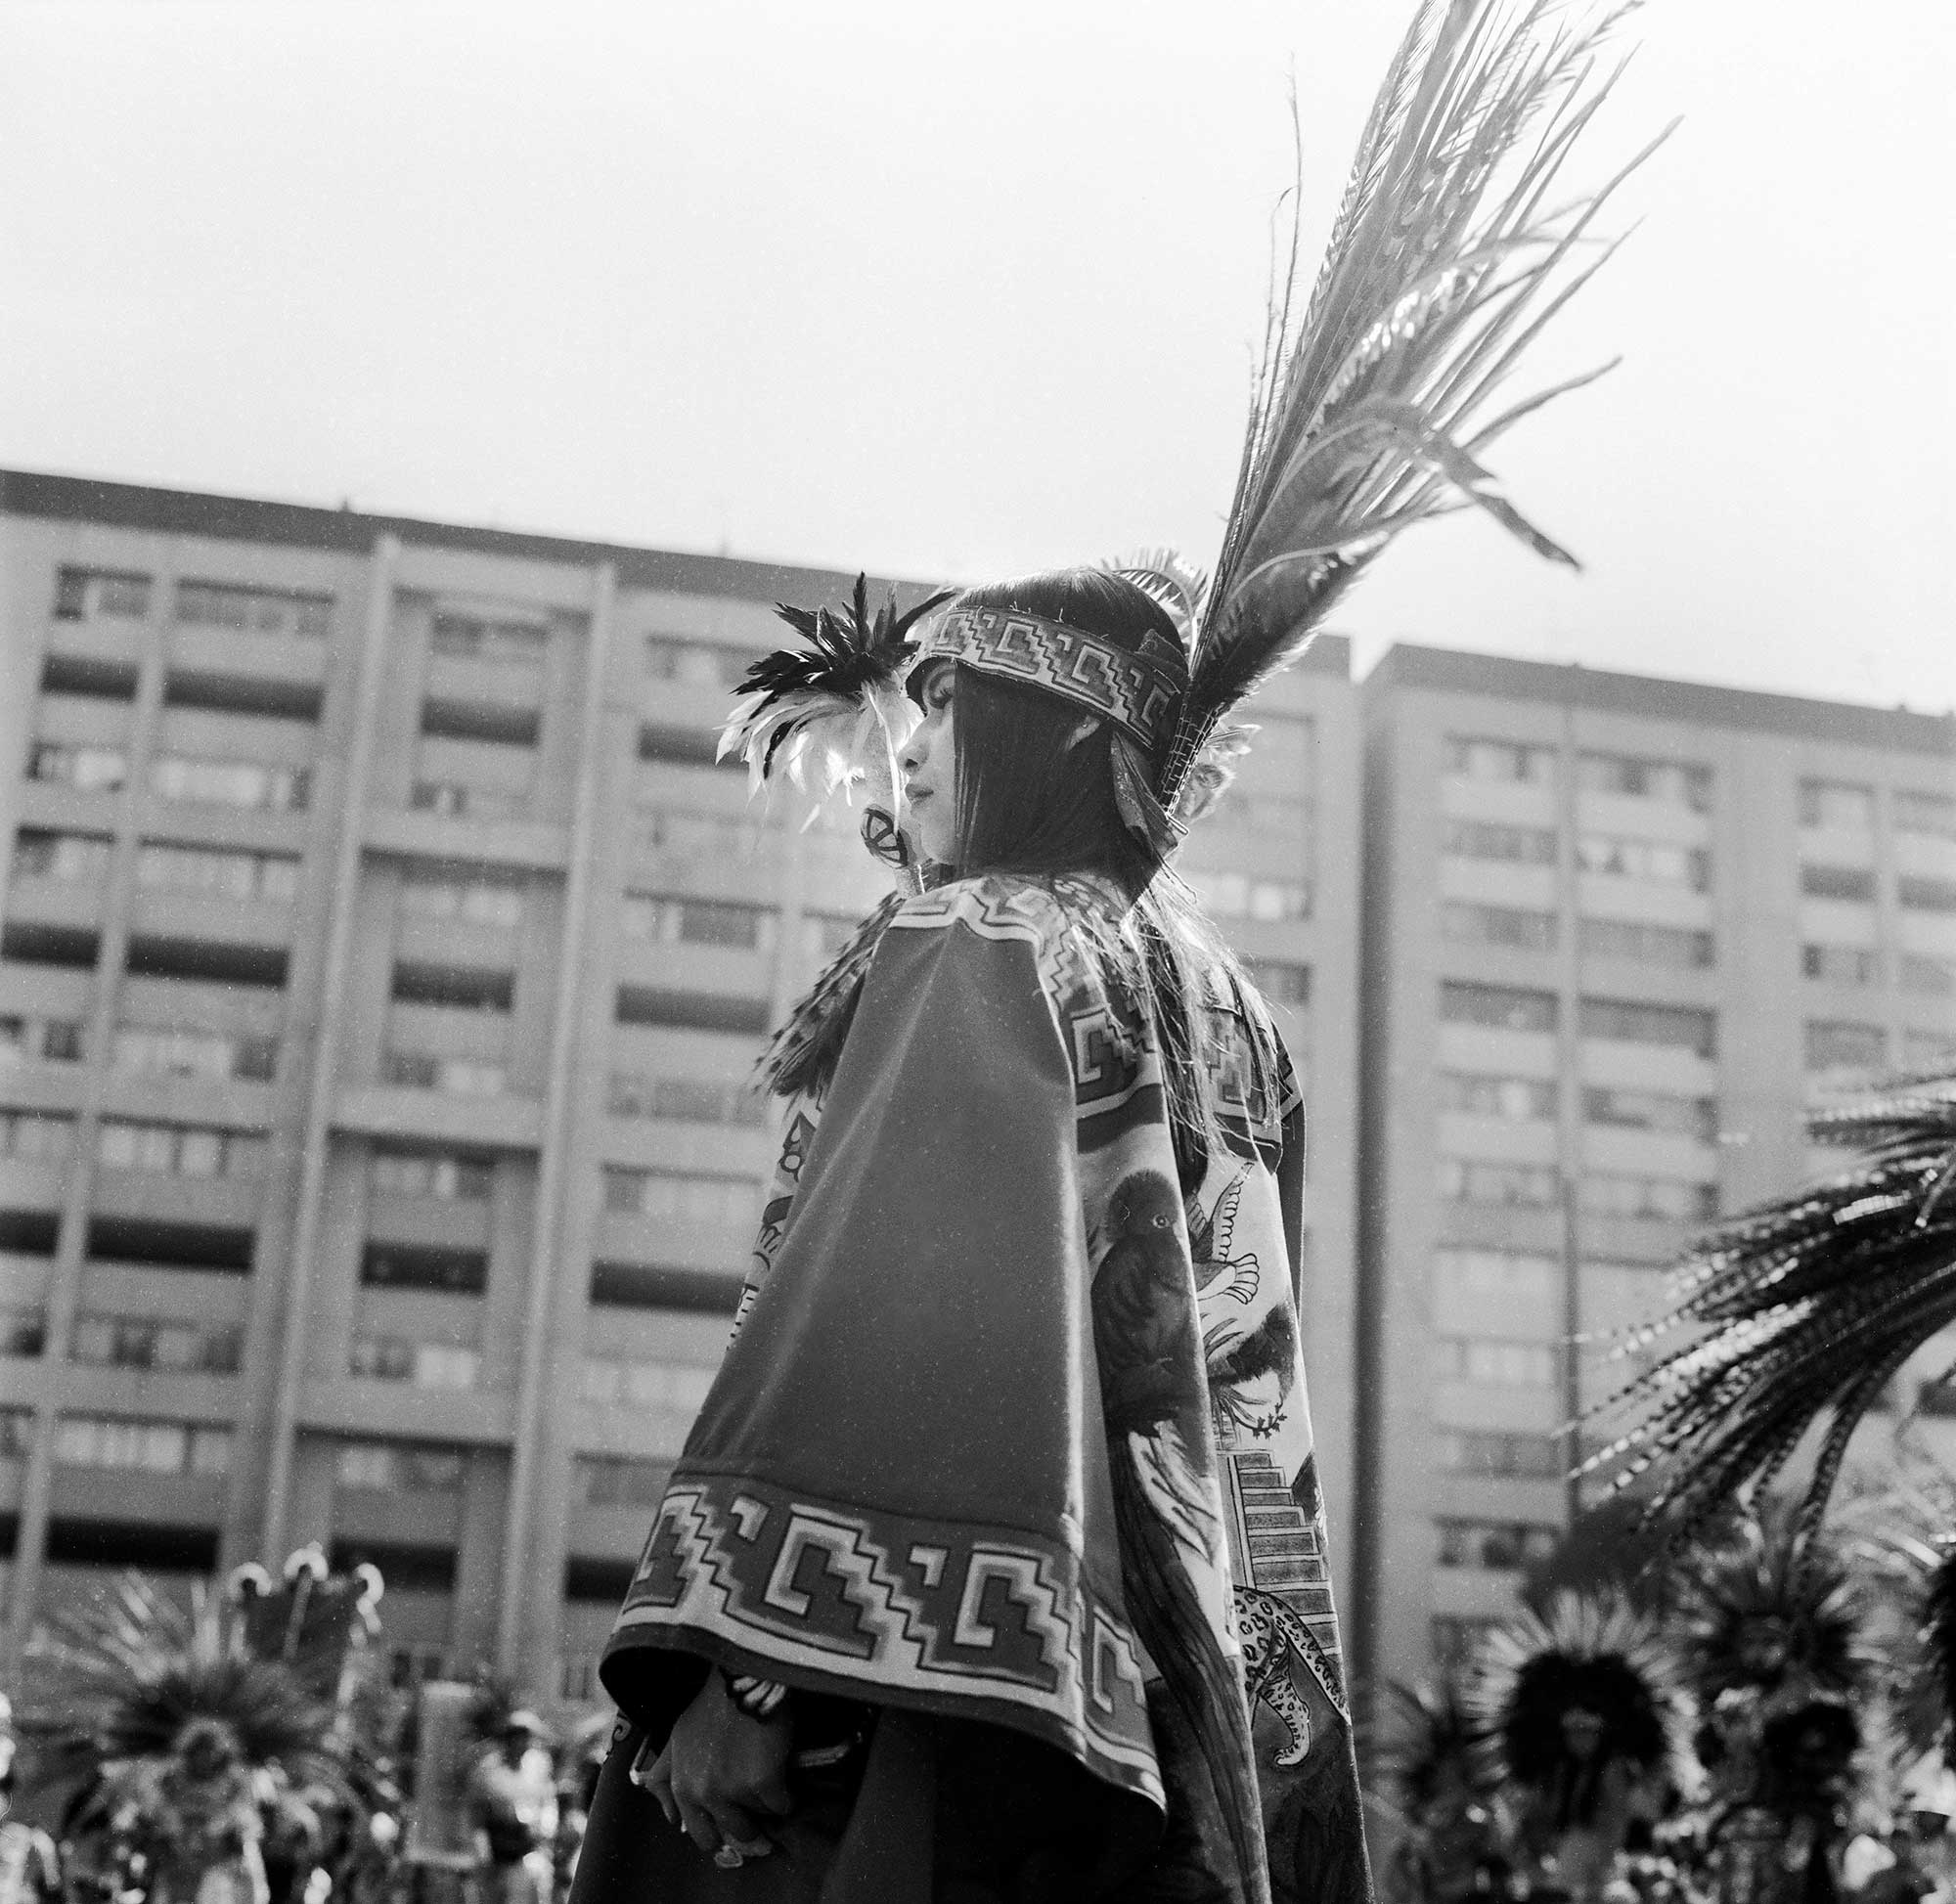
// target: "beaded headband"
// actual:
[[1140, 691]]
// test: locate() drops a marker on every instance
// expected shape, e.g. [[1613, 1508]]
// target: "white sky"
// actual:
[[956, 291]]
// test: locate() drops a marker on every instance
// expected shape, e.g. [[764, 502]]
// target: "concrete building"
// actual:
[[381, 958], [1619, 933]]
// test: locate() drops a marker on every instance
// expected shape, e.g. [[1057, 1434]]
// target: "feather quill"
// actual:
[[1370, 408]]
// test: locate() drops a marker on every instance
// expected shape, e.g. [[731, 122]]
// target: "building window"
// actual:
[[487, 638], [419, 1364], [1930, 813], [608, 1383], [682, 1196], [1843, 803], [708, 836], [1504, 1280], [452, 1077], [1923, 895], [1659, 1199], [685, 747], [23, 1332], [424, 1266], [1837, 1045], [1482, 839], [177, 1149], [478, 895], [1619, 857], [1842, 964], [689, 1100], [1854, 883], [654, 1286], [1676, 947], [1677, 783], [156, 1447], [1281, 981], [17, 1434], [488, 722], [87, 770], [170, 1052], [1236, 896], [157, 1342], [249, 785], [35, 1136], [1682, 1026], [1482, 1451], [449, 1176], [218, 874], [1513, 927], [26, 1039], [454, 987], [1918, 972], [694, 1011], [1928, 1052], [1492, 1362], [1471, 758], [618, 1481], [1500, 1546], [262, 611], [1496, 1007], [74, 858], [202, 962], [696, 664], [1514, 1100], [665, 920], [398, 1468], [1650, 1110], [83, 592], [1515, 1187]]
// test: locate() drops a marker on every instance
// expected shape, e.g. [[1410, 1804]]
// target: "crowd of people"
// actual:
[[203, 1825]]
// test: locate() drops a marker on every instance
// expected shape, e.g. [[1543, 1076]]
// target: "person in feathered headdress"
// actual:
[[994, 1565]]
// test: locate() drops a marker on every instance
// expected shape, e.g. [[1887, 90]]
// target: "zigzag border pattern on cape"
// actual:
[[942, 1617]]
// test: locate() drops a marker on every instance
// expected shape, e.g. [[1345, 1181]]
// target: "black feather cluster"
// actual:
[[846, 655], [1939, 1632]]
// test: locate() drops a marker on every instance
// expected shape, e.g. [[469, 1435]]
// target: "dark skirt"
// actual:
[[933, 1811]]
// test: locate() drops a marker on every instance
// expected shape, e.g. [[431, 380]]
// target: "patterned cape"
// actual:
[[1010, 1429]]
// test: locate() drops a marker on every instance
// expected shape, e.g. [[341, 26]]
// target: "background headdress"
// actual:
[[1372, 407]]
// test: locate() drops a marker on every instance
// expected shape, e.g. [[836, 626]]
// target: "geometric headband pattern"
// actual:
[[1140, 692]]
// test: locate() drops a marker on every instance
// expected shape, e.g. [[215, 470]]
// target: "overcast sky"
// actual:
[[950, 292]]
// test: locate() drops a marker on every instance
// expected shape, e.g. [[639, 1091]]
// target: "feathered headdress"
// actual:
[[1371, 411], [835, 703], [1564, 1691], [1804, 1306]]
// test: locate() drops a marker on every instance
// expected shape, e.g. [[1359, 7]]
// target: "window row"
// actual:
[[1500, 1546], [1862, 966], [691, 1101], [156, 1447], [1843, 1044], [398, 1468], [1496, 1451], [1914, 892], [1523, 929], [182, 1051], [1850, 806], [159, 1342], [1236, 896], [178, 1149], [433, 1365], [1513, 1009], [609, 1383], [82, 859], [1491, 1362], [247, 785], [1530, 1100], [83, 594], [39, 1037], [1619, 856], [730, 1201], [1531, 764], [663, 919], [1598, 1193]]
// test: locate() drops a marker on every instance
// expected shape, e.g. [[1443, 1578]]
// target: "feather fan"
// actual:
[[1804, 1308], [835, 705], [1371, 407]]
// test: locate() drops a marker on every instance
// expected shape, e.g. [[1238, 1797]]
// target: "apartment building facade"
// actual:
[[382, 962], [1618, 934]]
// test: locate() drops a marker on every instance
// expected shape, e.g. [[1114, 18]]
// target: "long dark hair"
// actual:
[[1037, 797]]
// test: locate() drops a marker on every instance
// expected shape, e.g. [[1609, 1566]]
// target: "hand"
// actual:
[[723, 1777]]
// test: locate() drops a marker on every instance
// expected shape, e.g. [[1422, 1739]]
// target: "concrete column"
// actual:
[[556, 1184], [339, 938]]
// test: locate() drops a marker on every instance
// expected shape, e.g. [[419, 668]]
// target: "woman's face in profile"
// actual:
[[930, 771]]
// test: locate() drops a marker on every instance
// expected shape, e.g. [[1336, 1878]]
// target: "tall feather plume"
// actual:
[[1371, 410], [835, 704], [1801, 1309]]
